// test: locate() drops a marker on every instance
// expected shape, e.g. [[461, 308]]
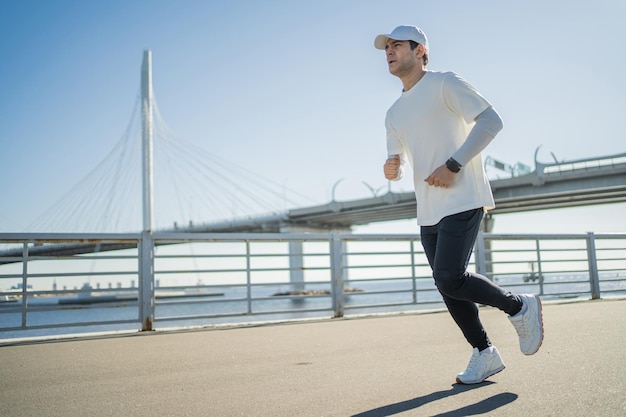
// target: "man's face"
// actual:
[[400, 58]]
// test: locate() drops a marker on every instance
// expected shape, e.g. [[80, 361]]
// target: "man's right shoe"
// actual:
[[529, 324], [481, 366]]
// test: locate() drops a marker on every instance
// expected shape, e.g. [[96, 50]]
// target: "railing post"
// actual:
[[336, 274], [594, 277], [539, 266], [248, 277], [413, 278], [24, 283], [146, 281]]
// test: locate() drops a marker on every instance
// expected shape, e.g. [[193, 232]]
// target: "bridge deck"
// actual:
[[376, 366], [535, 191]]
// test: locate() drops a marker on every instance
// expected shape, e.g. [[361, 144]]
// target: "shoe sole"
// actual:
[[495, 371], [540, 326]]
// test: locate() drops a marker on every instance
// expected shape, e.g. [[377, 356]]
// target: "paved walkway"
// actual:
[[378, 366]]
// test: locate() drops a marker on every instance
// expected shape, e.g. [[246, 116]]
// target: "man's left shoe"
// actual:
[[481, 366], [529, 324]]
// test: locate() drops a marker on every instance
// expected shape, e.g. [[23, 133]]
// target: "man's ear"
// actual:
[[419, 51]]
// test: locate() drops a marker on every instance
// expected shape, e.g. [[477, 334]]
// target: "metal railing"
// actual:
[[557, 265], [110, 282], [586, 164]]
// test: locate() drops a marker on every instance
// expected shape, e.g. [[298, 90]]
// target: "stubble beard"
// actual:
[[402, 69]]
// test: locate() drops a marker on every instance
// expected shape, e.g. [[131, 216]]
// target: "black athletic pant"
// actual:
[[448, 246]]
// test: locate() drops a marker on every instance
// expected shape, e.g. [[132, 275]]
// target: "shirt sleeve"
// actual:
[[462, 98], [395, 147], [394, 143]]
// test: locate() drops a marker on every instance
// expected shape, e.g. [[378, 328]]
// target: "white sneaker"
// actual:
[[481, 366], [529, 324]]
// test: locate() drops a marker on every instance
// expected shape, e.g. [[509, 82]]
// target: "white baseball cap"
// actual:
[[402, 33]]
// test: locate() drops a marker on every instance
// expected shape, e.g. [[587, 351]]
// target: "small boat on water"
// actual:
[[7, 299]]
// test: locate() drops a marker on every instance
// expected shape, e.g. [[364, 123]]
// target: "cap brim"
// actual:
[[381, 41]]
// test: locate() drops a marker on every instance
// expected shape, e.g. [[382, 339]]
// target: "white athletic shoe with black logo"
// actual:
[[529, 324], [481, 366]]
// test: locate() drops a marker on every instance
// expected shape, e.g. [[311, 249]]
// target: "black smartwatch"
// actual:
[[453, 165]]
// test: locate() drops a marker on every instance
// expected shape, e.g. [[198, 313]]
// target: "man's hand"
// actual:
[[392, 167], [441, 177]]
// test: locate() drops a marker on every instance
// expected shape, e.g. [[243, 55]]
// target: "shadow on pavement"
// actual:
[[484, 406]]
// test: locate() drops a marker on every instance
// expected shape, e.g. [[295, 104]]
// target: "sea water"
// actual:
[[232, 306]]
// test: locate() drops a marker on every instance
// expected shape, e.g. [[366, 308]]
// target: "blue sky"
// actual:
[[295, 90]]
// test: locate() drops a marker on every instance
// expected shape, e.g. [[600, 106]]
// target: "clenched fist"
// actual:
[[441, 177], [393, 168]]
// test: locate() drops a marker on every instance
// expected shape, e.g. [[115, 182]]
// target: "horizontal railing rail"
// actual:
[[121, 282]]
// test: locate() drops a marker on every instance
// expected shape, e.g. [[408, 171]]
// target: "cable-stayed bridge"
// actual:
[[97, 207], [551, 185], [202, 185]]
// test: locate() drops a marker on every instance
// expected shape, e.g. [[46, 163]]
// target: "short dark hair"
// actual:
[[414, 45]]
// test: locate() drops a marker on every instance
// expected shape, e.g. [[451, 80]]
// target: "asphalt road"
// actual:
[[370, 367]]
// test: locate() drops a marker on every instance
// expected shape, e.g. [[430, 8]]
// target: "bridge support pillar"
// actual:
[[296, 265], [487, 225], [296, 255]]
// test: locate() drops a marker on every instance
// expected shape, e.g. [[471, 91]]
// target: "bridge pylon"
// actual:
[[146, 277]]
